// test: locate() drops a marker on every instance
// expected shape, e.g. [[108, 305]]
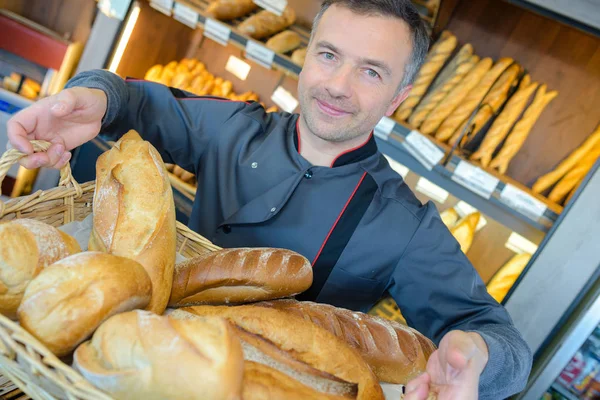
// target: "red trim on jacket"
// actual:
[[351, 150]]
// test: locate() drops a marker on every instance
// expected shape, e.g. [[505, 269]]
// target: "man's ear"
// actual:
[[400, 97]]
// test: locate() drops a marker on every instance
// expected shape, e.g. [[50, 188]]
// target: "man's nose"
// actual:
[[340, 83]]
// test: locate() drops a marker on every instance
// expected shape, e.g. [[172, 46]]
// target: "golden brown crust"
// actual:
[[574, 176], [265, 23], [506, 276], [226, 10], [284, 42], [299, 56], [464, 231]]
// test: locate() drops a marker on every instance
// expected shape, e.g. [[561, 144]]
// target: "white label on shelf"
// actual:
[[217, 31], [260, 54], [432, 190], [519, 244], [275, 6], [475, 179], [185, 15], [423, 149], [522, 202], [164, 6], [384, 128], [396, 166], [284, 99], [238, 67], [463, 209]]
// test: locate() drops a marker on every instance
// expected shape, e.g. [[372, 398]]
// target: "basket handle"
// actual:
[[12, 156]]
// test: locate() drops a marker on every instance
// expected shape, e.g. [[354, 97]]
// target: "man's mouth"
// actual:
[[331, 110]]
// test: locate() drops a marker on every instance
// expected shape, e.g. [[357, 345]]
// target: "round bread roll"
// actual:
[[26, 247], [140, 355], [68, 300], [154, 73]]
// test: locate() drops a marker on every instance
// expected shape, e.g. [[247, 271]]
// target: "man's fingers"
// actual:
[[17, 135], [419, 392], [63, 160], [35, 161], [63, 103], [55, 153], [421, 379]]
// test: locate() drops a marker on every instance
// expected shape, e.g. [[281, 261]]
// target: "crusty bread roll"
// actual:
[[26, 247], [154, 73], [456, 96], [437, 57], [574, 176], [395, 352], [181, 80], [284, 42], [471, 101], [450, 217], [265, 23], [506, 276], [521, 131], [299, 56], [140, 355], [68, 300], [226, 10], [233, 276], [464, 231], [296, 347], [501, 126], [134, 212]]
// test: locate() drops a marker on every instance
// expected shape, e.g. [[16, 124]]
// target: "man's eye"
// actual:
[[328, 56], [372, 73]]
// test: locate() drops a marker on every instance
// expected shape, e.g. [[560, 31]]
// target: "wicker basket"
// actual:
[[23, 359]]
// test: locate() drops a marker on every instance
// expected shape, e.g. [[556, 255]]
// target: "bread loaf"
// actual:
[[134, 212], [265, 23], [299, 56], [471, 101], [68, 300], [464, 231], [296, 347], [140, 355], [395, 352], [506, 120], [450, 217], [284, 42], [26, 247], [455, 97], [574, 176], [438, 55], [521, 131], [505, 278], [226, 10], [154, 73], [233, 276]]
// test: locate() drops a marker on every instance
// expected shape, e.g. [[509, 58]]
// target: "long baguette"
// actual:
[[550, 178], [519, 134], [437, 57], [568, 182]]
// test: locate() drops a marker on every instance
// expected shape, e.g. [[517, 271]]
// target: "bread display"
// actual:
[[27, 247], [284, 42], [395, 352], [233, 276], [299, 56], [437, 57], [140, 355], [450, 217], [68, 300], [506, 276], [296, 347], [574, 176], [226, 10], [134, 212], [264, 23], [465, 229]]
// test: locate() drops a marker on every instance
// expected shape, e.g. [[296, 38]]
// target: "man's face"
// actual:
[[350, 79]]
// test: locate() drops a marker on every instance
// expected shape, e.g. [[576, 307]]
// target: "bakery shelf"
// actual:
[[564, 391]]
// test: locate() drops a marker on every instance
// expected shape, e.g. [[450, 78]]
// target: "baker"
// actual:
[[315, 183]]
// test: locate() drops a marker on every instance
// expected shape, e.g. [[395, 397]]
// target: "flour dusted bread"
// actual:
[[134, 212], [26, 247], [68, 300], [233, 276], [140, 355]]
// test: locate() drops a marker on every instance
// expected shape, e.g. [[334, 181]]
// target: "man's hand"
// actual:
[[67, 120], [453, 370]]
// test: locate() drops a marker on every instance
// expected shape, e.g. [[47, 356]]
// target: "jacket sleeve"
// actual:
[[438, 290], [179, 125]]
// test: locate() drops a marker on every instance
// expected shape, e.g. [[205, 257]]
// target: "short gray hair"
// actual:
[[401, 9]]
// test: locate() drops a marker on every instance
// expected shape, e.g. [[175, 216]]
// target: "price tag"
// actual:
[[275, 6], [260, 54], [164, 6], [185, 15], [520, 245], [522, 202], [284, 100], [238, 67], [432, 190], [384, 128], [217, 31], [423, 149], [475, 179]]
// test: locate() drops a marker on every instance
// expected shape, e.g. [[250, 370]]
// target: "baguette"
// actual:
[[265, 23], [437, 57], [284, 42], [575, 175], [450, 217], [140, 355], [68, 300], [134, 212], [505, 121], [226, 10], [492, 102], [521, 131], [240, 276], [505, 278], [573, 191], [551, 178], [465, 229], [299, 56], [471, 101], [455, 97], [395, 352]]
